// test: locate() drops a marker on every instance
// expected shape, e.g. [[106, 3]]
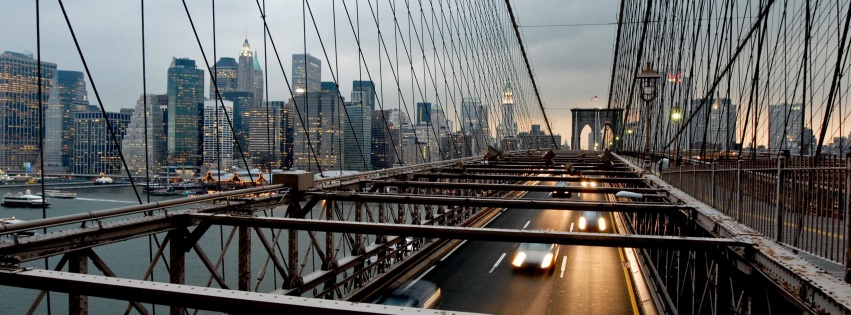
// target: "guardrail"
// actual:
[[796, 201]]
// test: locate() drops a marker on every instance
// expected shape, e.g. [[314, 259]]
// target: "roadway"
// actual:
[[477, 276]]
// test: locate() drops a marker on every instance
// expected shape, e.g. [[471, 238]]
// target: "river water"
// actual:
[[128, 259]]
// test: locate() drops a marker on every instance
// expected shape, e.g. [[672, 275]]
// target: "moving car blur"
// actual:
[[592, 221], [560, 193], [535, 256], [417, 293]]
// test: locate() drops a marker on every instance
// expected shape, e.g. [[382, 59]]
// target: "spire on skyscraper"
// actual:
[[246, 49]]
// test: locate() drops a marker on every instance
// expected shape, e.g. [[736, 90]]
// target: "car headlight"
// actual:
[[584, 184], [593, 184], [582, 223], [548, 260], [601, 223], [518, 260]]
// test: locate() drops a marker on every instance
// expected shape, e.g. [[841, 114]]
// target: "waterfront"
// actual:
[[128, 259]]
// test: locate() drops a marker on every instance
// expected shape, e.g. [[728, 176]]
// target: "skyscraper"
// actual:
[[185, 103], [258, 83], [714, 126], [306, 74], [320, 123], [385, 138], [218, 138], [785, 127], [242, 105], [19, 108], [73, 98], [95, 151], [226, 76], [364, 92], [266, 135], [245, 69], [474, 121], [423, 114], [509, 125], [358, 133], [143, 140]]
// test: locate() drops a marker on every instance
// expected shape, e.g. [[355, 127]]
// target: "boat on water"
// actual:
[[23, 200], [12, 220], [61, 194], [103, 181]]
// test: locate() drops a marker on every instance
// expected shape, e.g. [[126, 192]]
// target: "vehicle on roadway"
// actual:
[[560, 193], [535, 256], [592, 221], [417, 293]]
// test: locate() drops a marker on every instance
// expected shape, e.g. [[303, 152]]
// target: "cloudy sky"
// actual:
[[571, 59]]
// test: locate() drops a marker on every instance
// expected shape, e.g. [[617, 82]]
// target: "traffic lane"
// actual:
[[478, 277], [595, 280]]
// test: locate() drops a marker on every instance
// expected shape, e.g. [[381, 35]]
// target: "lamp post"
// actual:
[[647, 78], [676, 116]]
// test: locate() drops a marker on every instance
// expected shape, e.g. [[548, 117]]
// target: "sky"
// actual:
[[571, 60]]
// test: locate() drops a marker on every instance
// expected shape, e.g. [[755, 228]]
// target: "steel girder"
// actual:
[[185, 296], [501, 203], [54, 243], [480, 234], [528, 178], [509, 187], [470, 170]]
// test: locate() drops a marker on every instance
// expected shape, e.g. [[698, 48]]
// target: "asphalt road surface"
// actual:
[[478, 277]]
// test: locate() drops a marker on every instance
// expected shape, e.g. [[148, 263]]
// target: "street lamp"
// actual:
[[647, 79], [676, 116]]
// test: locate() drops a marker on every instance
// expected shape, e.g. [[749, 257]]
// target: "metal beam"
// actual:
[[31, 248], [511, 187], [526, 178], [479, 234], [470, 170], [501, 203], [185, 296]]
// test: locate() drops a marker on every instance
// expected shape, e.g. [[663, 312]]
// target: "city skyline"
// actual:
[[122, 57]]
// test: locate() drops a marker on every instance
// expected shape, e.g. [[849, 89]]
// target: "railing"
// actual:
[[795, 201]]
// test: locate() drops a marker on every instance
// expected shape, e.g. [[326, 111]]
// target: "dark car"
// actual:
[[535, 256], [419, 294], [560, 193]]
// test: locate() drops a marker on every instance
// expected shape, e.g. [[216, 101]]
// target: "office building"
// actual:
[[785, 128], [713, 127], [19, 107], [95, 150], [185, 104], [364, 92], [357, 155], [423, 114], [226, 77], [317, 133], [266, 135], [307, 73], [217, 136], [145, 137]]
